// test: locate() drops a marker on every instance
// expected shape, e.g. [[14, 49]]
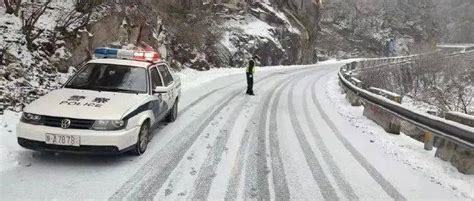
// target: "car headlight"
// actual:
[[109, 124], [30, 118]]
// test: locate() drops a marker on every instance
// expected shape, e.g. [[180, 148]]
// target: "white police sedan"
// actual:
[[109, 106]]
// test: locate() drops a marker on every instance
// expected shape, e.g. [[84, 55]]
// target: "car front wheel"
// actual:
[[143, 139]]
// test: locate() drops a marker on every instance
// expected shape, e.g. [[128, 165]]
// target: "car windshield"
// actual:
[[110, 77]]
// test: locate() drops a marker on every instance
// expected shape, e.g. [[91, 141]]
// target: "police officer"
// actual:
[[250, 72]]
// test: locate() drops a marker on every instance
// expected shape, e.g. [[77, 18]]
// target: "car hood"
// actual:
[[85, 104]]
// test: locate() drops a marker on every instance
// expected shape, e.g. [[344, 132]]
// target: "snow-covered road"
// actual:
[[293, 140]]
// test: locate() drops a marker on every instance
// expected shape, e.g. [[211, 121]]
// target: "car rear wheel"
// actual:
[[173, 115], [143, 139]]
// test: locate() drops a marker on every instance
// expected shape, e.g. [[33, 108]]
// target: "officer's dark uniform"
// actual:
[[250, 71]]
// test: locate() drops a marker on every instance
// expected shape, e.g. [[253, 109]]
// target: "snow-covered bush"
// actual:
[[445, 82]]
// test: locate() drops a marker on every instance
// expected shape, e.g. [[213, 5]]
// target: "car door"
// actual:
[[158, 106], [169, 97]]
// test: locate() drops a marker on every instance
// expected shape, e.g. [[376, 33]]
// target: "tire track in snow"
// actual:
[[256, 184], [208, 168], [280, 184], [327, 190], [202, 184], [333, 168], [154, 173], [386, 186], [167, 159], [153, 184], [259, 189], [233, 184], [201, 98]]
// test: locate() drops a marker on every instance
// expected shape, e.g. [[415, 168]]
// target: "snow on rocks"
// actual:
[[282, 16], [29, 74], [12, 40], [253, 26], [265, 31], [418, 105]]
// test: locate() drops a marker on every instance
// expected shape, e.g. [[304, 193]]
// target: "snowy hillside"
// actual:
[[35, 57], [62, 34], [27, 73]]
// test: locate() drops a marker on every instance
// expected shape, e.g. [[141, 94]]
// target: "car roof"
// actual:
[[143, 64]]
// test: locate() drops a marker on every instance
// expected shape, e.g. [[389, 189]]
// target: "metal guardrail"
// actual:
[[460, 134], [388, 61]]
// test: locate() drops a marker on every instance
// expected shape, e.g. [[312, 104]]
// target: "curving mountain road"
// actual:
[[288, 142]]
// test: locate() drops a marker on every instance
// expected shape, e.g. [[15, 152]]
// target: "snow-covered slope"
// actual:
[[363, 27], [26, 74]]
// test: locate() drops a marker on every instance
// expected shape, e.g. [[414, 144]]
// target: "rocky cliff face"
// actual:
[[204, 34], [455, 20], [362, 27], [305, 14], [217, 33]]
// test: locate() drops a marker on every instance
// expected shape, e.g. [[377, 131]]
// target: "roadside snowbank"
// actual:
[[403, 148]]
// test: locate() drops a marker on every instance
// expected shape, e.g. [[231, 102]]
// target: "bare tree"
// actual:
[[444, 82], [71, 21], [12, 6], [29, 18]]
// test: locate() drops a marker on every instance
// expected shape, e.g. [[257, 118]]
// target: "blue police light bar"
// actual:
[[138, 55], [105, 52]]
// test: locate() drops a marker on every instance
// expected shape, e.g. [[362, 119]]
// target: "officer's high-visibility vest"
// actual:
[[248, 70]]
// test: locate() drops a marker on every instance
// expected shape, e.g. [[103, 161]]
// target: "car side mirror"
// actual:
[[160, 90]]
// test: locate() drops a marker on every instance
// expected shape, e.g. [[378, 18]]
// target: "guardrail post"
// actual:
[[352, 97], [353, 65], [428, 139], [389, 122], [341, 86], [384, 119], [458, 156]]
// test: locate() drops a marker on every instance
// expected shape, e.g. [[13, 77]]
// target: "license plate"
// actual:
[[67, 140]]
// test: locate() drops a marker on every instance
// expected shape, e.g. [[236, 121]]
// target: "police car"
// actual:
[[109, 106]]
